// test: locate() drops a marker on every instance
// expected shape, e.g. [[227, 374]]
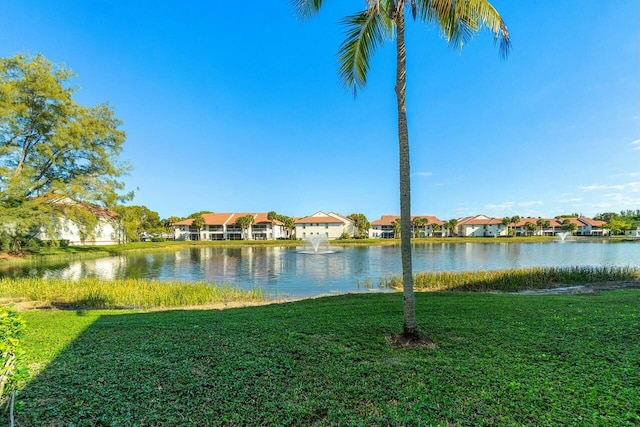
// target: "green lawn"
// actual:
[[500, 360]]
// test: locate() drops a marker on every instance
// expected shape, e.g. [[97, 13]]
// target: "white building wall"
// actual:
[[107, 232], [328, 230]]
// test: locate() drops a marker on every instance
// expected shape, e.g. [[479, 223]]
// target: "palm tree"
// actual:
[[451, 225], [543, 223], [515, 220], [397, 228], [244, 222], [419, 222], [366, 31]]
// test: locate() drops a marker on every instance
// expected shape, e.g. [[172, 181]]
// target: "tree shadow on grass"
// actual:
[[251, 367]]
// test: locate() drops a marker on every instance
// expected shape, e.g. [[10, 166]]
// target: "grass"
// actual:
[[514, 280], [506, 360], [136, 293]]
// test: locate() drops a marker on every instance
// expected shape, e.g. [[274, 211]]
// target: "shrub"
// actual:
[[11, 330]]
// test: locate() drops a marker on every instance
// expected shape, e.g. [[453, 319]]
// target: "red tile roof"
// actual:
[[391, 219], [592, 222]]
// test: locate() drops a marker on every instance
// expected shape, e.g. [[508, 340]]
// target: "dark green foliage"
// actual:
[[504, 360]]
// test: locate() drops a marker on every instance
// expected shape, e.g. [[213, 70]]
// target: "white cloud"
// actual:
[[423, 174], [531, 203], [636, 143], [499, 206], [598, 187]]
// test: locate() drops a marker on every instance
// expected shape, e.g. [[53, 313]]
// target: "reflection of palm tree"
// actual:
[[380, 21]]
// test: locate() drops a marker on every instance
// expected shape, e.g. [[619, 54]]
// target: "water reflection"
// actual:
[[283, 271]]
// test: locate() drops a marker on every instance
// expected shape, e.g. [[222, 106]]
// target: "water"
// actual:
[[286, 272]]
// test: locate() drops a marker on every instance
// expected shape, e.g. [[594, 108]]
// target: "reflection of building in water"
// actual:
[[249, 265], [103, 269]]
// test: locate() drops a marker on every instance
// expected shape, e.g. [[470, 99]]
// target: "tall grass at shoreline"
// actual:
[[513, 280], [129, 293]]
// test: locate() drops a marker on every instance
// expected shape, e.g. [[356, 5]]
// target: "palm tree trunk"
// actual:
[[410, 325]]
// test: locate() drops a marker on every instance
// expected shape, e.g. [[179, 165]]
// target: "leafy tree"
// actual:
[[572, 215], [361, 224], [199, 213], [56, 157], [569, 226], [619, 223], [137, 220], [244, 222], [167, 223], [380, 21]]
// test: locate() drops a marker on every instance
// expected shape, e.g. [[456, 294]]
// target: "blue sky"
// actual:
[[240, 108]]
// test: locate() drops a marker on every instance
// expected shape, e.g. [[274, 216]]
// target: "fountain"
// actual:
[[316, 244], [563, 235]]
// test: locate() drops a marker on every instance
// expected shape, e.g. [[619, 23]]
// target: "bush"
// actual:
[[11, 330], [158, 239], [345, 236]]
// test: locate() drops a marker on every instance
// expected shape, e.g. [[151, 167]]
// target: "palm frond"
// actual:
[[460, 20], [306, 8], [366, 30]]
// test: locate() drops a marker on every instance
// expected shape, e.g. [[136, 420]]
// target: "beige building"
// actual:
[[329, 225]]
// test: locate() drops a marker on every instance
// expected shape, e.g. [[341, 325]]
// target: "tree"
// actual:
[[290, 225], [244, 222], [361, 224], [452, 226], [137, 220], [56, 157], [542, 224], [198, 223], [569, 226], [530, 227], [366, 31], [272, 216], [418, 223], [397, 228], [514, 220]]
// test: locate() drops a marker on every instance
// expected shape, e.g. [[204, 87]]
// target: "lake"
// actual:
[[283, 271]]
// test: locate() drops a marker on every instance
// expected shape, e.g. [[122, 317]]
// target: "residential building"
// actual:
[[481, 226], [384, 228], [222, 226], [330, 225], [592, 227], [107, 231]]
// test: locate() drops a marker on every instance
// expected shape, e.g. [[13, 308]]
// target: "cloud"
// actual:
[[598, 187], [636, 143], [531, 203], [423, 174]]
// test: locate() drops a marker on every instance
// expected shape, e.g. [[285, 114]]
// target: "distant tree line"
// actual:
[[619, 223]]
